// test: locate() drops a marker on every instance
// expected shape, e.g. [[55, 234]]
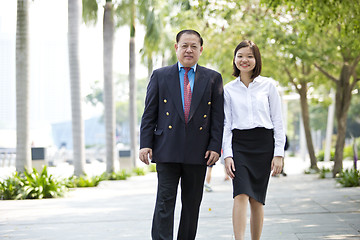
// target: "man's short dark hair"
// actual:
[[189, 31], [257, 55]]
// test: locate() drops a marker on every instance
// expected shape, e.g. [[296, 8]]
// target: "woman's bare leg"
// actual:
[[239, 216], [256, 219]]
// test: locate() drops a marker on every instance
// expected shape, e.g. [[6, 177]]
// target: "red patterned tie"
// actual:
[[187, 94]]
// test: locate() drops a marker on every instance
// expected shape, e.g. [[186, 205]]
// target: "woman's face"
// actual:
[[245, 60]]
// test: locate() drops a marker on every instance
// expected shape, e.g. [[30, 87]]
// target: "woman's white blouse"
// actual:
[[258, 105]]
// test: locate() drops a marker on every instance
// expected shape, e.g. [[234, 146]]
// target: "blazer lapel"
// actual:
[[173, 83], [199, 88]]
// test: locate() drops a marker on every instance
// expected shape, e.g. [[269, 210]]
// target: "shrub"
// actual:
[[31, 185], [321, 155], [121, 175], [11, 188], [83, 181], [324, 171], [349, 178], [152, 167], [139, 171], [348, 152], [42, 185]]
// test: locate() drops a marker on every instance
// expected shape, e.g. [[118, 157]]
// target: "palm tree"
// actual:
[[90, 8], [23, 154], [132, 86], [74, 21], [126, 15], [127, 11], [109, 100]]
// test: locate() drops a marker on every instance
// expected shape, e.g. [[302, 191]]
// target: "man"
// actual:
[[181, 131]]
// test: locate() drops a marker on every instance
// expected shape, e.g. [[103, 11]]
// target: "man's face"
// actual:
[[188, 49]]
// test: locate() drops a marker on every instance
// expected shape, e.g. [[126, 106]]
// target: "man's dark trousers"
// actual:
[[192, 182]]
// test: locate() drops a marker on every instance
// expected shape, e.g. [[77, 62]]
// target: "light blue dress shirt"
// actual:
[[191, 76]]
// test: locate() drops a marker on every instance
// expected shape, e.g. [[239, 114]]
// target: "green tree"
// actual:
[[340, 44], [74, 21], [23, 154], [294, 64]]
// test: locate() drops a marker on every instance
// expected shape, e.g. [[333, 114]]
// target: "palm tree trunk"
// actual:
[[74, 21], [132, 89], [23, 153], [109, 100]]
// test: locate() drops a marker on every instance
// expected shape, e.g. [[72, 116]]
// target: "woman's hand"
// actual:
[[230, 167], [276, 165]]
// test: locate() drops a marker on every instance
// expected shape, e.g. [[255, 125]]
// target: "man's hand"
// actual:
[[230, 167], [213, 157], [145, 154], [276, 165]]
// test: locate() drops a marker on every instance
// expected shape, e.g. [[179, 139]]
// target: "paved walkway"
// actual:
[[298, 207]]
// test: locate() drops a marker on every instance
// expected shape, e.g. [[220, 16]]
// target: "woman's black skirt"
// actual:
[[253, 152]]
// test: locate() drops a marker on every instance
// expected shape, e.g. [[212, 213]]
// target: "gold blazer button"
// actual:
[[200, 128], [205, 116], [170, 127], [209, 103], [167, 113], [165, 101]]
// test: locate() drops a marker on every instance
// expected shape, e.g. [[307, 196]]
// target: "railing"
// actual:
[[7, 157]]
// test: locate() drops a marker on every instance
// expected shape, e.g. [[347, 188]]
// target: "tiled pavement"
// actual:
[[297, 207]]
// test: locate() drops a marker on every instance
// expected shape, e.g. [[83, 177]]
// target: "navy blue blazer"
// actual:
[[163, 127]]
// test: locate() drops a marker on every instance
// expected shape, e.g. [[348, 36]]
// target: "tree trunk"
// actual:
[[74, 22], [109, 100], [23, 153], [150, 67], [132, 89], [343, 100], [306, 122]]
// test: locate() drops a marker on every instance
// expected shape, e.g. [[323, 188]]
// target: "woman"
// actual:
[[254, 138]]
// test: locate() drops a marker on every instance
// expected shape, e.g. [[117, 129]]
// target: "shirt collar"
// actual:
[[180, 66], [257, 79]]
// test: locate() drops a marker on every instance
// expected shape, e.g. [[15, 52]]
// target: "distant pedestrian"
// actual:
[[253, 139], [207, 184], [209, 170], [287, 145]]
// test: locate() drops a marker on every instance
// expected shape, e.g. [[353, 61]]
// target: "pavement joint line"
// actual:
[[322, 206], [354, 227]]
